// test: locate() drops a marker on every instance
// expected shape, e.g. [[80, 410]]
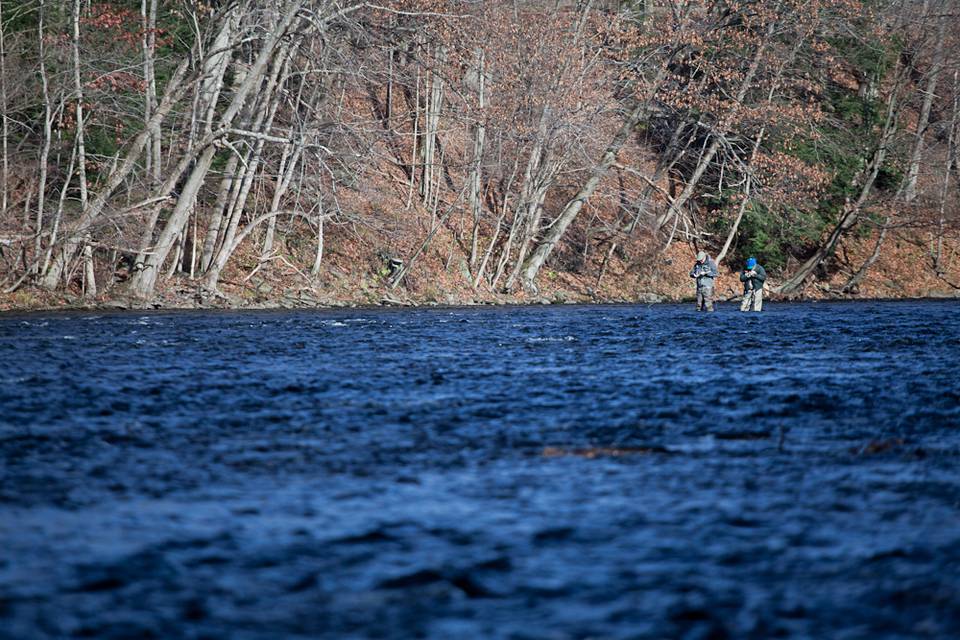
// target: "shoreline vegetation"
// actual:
[[370, 292], [307, 153], [137, 306]]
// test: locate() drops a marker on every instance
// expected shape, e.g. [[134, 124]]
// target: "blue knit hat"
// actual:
[[751, 262]]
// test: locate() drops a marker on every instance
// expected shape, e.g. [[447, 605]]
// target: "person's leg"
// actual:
[[745, 303], [699, 299], [708, 298], [758, 300]]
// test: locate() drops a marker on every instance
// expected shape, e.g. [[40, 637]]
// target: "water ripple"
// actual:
[[571, 472]]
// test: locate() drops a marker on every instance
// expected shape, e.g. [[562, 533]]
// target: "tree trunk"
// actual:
[[275, 203], [570, 211], [851, 212], [505, 250], [474, 196], [861, 273], [428, 184], [114, 179], [267, 109], [89, 274], [78, 88], [285, 178], [413, 152], [534, 214], [143, 283], [208, 89], [952, 135], [47, 136], [218, 212], [148, 10], [736, 222], [522, 209], [59, 214], [5, 133], [318, 258], [923, 120], [746, 193]]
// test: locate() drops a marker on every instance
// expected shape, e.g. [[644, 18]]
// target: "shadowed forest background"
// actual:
[[310, 151]]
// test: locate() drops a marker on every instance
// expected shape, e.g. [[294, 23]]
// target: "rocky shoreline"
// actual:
[[306, 298]]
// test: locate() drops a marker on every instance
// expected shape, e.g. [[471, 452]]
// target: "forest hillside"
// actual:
[[316, 152]]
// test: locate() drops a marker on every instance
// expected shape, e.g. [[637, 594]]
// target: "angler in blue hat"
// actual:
[[752, 277]]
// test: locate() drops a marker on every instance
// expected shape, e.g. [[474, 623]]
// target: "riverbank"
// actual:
[[358, 277]]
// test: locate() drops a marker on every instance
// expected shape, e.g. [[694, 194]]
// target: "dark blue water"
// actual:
[[607, 472]]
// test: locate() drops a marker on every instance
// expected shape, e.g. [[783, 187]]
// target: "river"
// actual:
[[519, 472]]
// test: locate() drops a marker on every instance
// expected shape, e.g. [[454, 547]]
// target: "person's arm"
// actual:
[[713, 270], [693, 272], [761, 275], [743, 276]]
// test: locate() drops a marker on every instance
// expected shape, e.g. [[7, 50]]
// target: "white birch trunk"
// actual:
[[496, 233], [285, 178], [5, 132], [923, 120], [318, 258], [945, 186], [47, 135], [413, 152], [263, 122], [59, 213], [213, 236], [78, 88], [272, 224], [428, 184], [143, 283], [570, 211], [115, 178], [148, 10], [521, 211], [474, 196], [89, 273]]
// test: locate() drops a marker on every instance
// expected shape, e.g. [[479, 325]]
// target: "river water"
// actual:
[[528, 472]]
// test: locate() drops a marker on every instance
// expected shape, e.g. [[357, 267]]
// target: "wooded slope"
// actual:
[[498, 147]]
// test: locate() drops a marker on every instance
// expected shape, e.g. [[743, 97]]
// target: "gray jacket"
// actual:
[[705, 273]]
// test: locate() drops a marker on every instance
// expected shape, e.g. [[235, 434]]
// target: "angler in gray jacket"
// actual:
[[705, 272], [752, 278]]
